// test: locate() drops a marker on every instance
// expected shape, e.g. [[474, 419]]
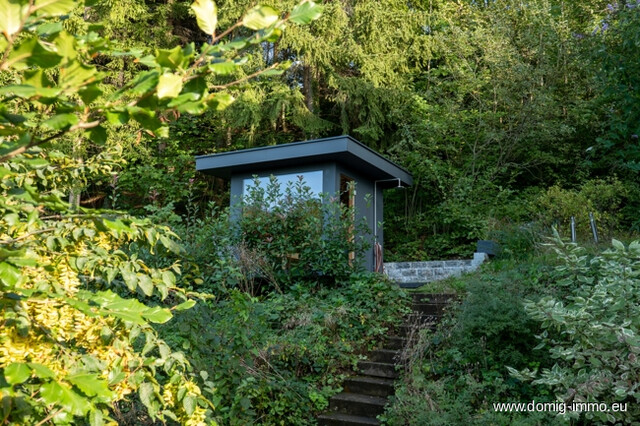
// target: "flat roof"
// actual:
[[342, 149]]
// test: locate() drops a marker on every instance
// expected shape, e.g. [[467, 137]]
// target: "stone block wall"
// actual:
[[415, 274]]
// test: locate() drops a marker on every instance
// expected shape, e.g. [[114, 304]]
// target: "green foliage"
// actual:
[[285, 354], [604, 199], [459, 371], [615, 57], [590, 330], [77, 302], [268, 355], [301, 237], [272, 239], [517, 241]]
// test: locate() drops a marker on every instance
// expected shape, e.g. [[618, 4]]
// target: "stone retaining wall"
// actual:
[[415, 274]]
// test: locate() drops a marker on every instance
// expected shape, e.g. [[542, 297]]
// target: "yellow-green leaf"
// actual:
[[16, 373], [12, 13], [220, 101], [145, 284], [260, 17], [305, 12], [169, 86], [54, 7], [223, 67], [60, 121], [91, 385], [42, 371], [185, 305], [206, 15], [61, 395], [157, 315]]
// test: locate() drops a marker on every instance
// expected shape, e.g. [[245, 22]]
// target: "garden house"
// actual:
[[332, 165]]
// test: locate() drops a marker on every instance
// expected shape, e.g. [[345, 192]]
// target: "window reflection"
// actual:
[[312, 180]]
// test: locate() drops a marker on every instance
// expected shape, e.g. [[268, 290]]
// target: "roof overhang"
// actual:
[[341, 149]]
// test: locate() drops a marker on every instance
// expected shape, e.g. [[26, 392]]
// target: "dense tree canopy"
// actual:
[[496, 98]]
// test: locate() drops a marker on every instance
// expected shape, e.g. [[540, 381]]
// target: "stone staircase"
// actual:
[[365, 394]]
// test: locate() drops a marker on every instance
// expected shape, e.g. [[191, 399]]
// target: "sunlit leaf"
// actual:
[[170, 58], [157, 315], [54, 7], [260, 17], [145, 284], [305, 12], [185, 305], [77, 74], [9, 275], [16, 373], [169, 86], [206, 15], [272, 72], [223, 67], [54, 393], [91, 385], [116, 117], [49, 28], [147, 397], [12, 13], [41, 371], [31, 52], [96, 418], [60, 121], [189, 404]]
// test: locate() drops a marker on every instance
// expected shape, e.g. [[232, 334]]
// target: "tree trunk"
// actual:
[[307, 83]]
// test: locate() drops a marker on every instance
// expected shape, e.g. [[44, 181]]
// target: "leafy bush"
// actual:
[[592, 331], [280, 336], [273, 239], [277, 360], [517, 241], [456, 374], [76, 301], [602, 198], [302, 236]]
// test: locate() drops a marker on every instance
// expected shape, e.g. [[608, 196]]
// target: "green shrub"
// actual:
[[278, 359], [455, 374], [275, 239], [301, 237], [517, 241], [602, 198], [592, 331]]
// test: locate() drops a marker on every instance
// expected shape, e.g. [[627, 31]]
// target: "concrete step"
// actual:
[[357, 405], [429, 308], [378, 369], [341, 419], [365, 396], [395, 342], [384, 355], [367, 385], [422, 319], [413, 329], [434, 298]]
